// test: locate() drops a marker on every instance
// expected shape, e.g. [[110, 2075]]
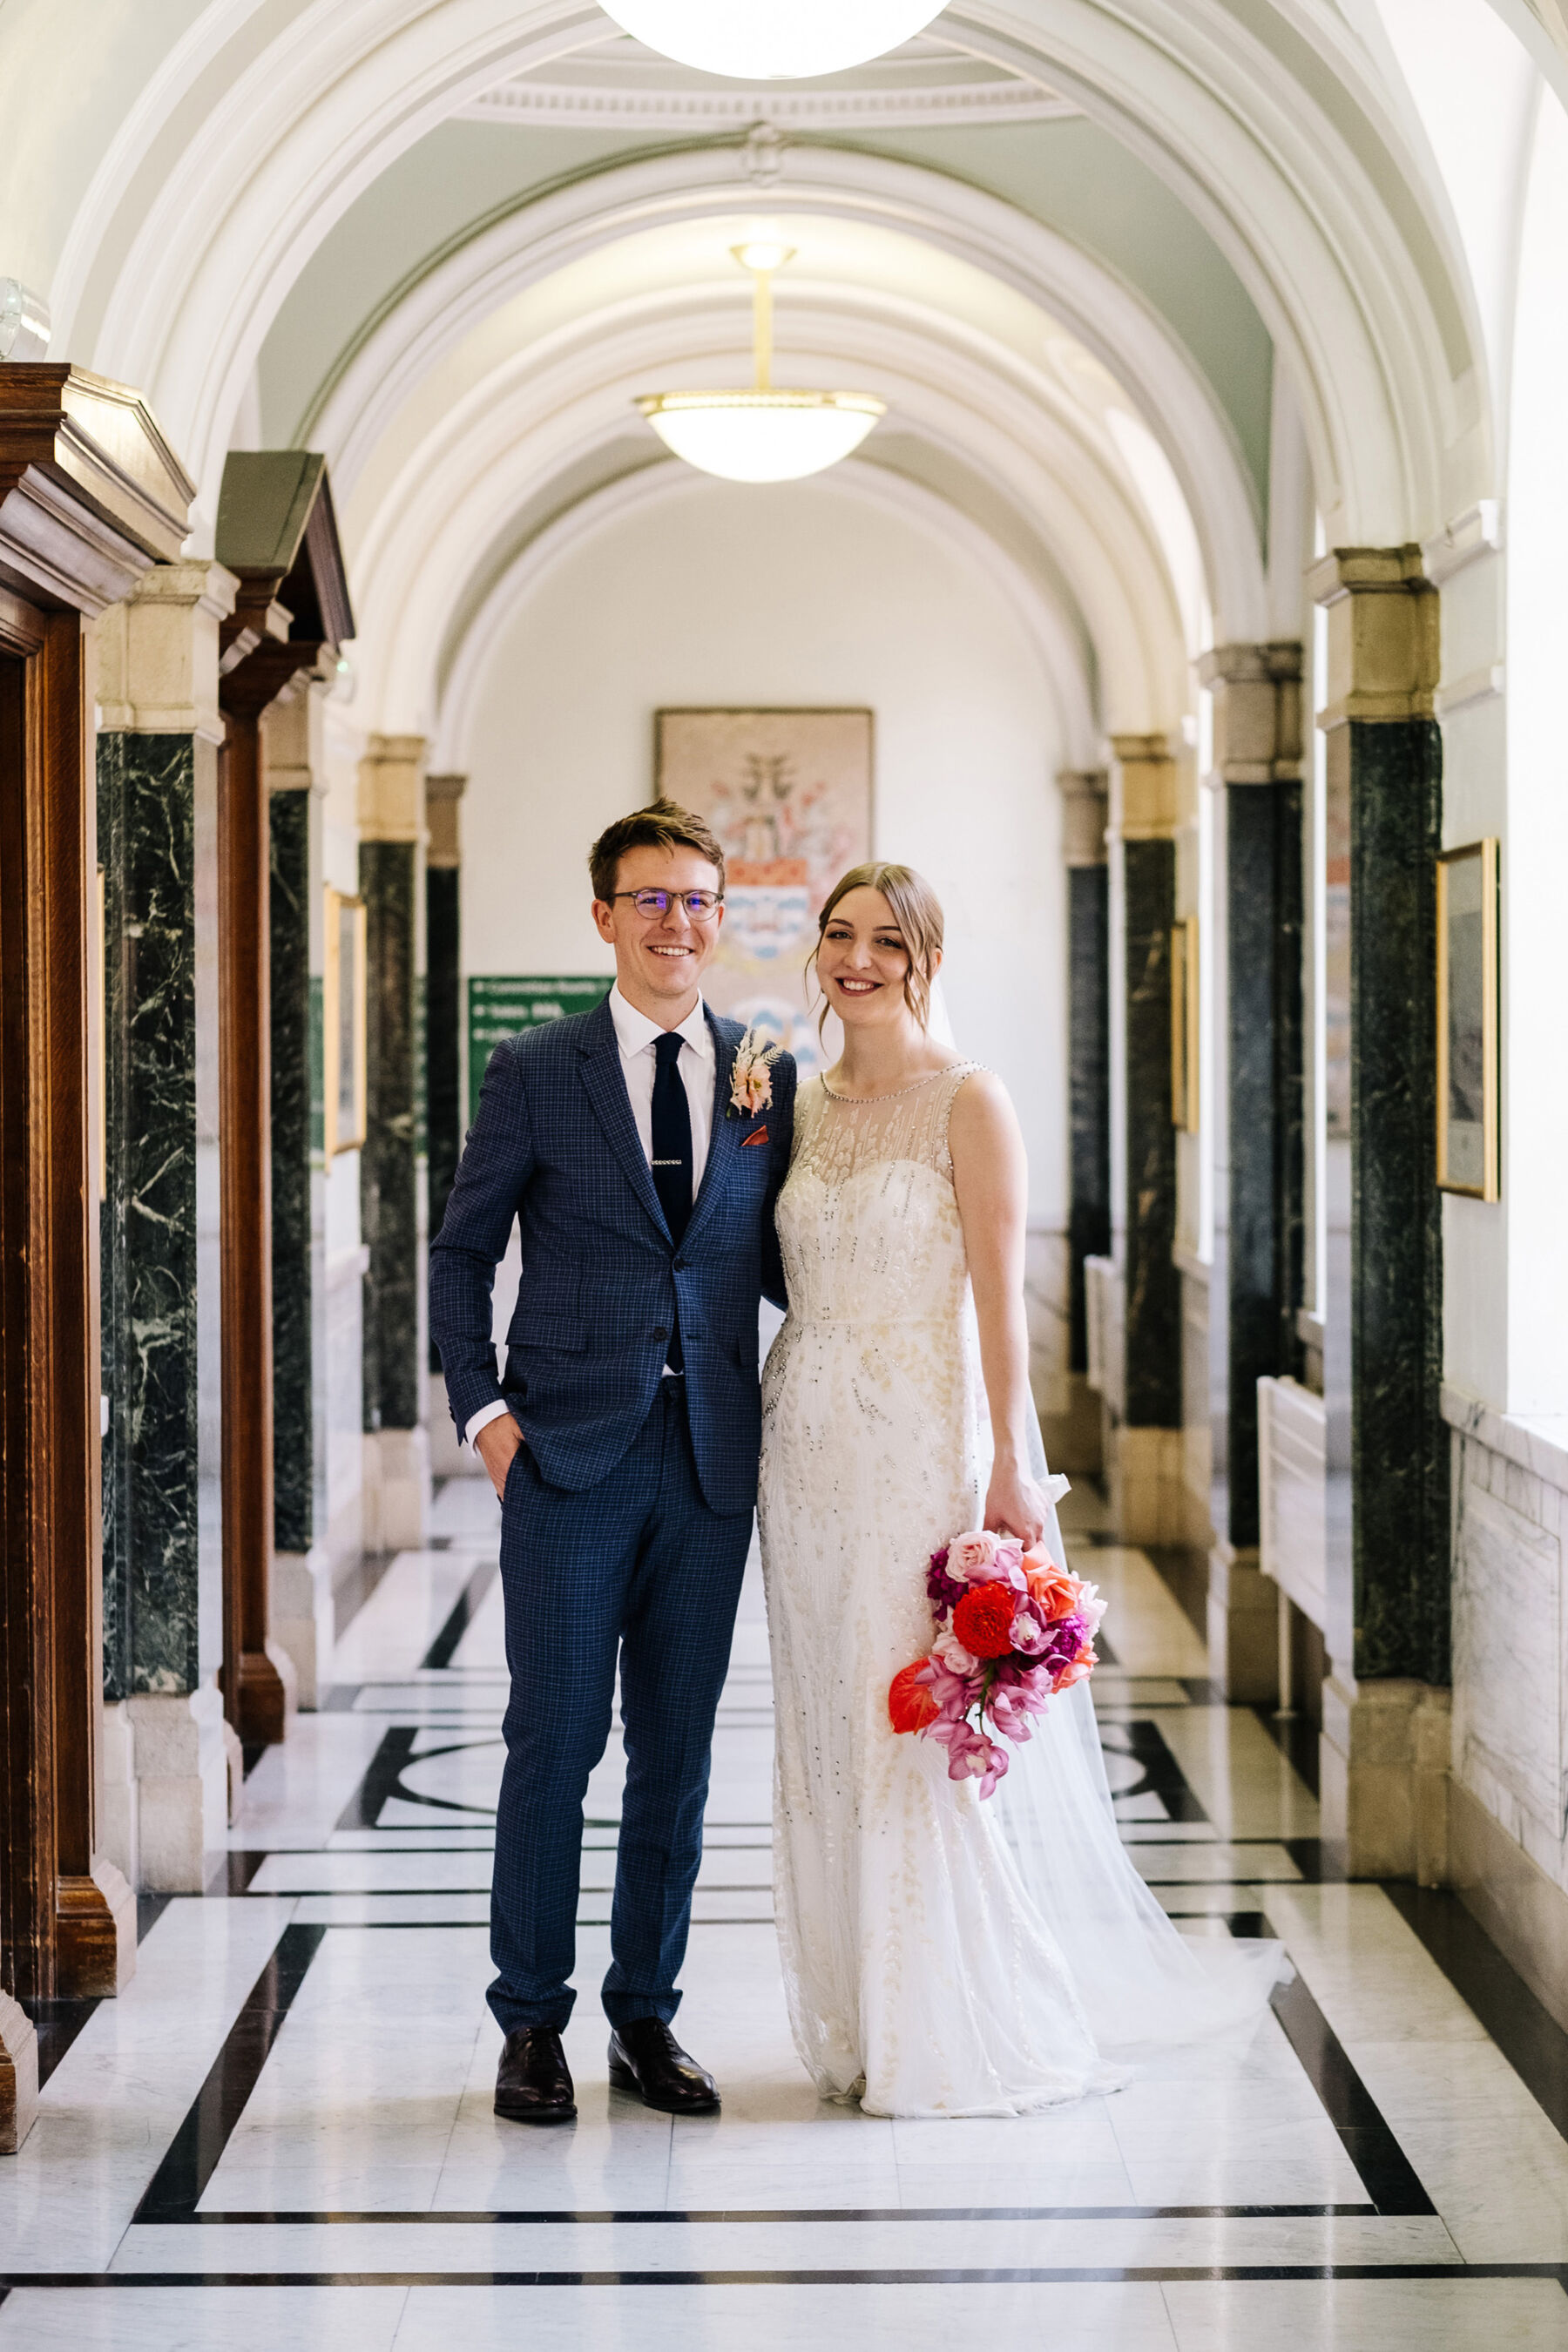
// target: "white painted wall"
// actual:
[[805, 593]]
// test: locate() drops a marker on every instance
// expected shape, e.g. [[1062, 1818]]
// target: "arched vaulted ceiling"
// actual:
[[1056, 236]]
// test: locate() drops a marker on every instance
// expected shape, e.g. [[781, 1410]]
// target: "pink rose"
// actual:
[[965, 1554], [952, 1654]]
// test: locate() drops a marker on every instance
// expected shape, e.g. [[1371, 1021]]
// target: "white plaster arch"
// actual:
[[1397, 440], [979, 229], [496, 451], [1050, 633]]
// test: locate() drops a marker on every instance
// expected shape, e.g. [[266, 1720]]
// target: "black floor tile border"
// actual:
[[1390, 2179], [192, 2155], [1172, 2274], [56, 2024], [464, 1611], [181, 2180], [736, 2215], [1525, 2031]]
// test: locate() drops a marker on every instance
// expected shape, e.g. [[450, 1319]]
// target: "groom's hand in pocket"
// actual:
[[495, 1445]]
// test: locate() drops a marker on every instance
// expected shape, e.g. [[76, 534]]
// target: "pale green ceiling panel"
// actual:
[[1081, 181], [436, 196]]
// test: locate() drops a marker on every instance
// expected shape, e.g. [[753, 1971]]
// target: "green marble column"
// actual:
[[1089, 1042], [443, 997], [1386, 1704], [293, 1395], [392, 1164], [160, 1323], [1256, 695]]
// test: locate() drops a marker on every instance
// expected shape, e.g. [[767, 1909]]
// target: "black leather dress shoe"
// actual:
[[533, 2082], [647, 2059]]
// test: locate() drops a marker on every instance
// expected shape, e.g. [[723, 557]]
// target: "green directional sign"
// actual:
[[501, 1003]]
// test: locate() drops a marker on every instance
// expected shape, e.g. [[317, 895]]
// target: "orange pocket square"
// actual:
[[747, 1140]]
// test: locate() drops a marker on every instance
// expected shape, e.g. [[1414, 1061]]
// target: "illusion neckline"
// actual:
[[864, 1101]]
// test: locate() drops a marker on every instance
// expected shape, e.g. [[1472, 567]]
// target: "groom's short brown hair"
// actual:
[[663, 825]]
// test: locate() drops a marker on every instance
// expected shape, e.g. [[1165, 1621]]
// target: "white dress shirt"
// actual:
[[636, 1036]]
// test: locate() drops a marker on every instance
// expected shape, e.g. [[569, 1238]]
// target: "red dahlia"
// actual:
[[982, 1620]]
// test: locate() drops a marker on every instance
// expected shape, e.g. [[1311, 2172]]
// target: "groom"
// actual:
[[622, 1438]]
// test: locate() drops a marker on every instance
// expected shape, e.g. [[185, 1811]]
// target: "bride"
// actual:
[[944, 1954]]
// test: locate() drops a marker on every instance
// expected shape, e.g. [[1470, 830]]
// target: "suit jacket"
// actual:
[[553, 1143]]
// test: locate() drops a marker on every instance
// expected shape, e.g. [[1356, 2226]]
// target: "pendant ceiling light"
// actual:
[[772, 40], [764, 435]]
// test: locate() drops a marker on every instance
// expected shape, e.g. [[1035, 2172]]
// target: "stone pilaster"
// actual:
[[1257, 692], [392, 1202], [166, 1762], [1145, 1471], [1388, 1526]]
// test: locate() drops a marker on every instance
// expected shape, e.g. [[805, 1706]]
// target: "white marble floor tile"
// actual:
[[1456, 2315], [300, 1788], [1246, 1785], [769, 2317], [1193, 1864], [200, 2319], [119, 2095], [927, 2238], [465, 1508], [1369, 1972], [1145, 1626]]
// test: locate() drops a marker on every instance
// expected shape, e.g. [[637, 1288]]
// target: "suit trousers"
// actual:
[[640, 1567]]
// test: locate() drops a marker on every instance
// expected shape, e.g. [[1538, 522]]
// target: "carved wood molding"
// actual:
[[90, 493]]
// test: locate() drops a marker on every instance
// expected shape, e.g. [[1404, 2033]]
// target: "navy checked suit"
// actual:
[[628, 1511]]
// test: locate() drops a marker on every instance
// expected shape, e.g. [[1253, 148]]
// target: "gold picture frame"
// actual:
[[343, 1025], [789, 793], [1185, 1006], [1468, 1126]]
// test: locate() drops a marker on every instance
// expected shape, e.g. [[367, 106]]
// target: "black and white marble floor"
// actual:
[[281, 2137]]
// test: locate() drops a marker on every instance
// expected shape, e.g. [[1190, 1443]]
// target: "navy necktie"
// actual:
[[671, 1151]]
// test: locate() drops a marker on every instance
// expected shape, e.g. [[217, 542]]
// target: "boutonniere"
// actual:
[[751, 1080]]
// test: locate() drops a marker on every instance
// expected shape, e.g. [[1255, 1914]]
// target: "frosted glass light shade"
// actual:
[[762, 437], [772, 40]]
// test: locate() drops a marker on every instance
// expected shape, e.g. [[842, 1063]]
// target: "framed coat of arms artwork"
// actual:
[[788, 792]]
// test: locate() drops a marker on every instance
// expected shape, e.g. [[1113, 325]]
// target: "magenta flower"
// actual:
[[969, 1754], [941, 1589]]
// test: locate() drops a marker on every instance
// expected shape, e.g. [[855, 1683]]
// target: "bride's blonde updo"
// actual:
[[918, 912]]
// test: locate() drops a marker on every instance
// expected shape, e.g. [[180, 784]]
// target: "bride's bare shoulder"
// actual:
[[982, 1116]]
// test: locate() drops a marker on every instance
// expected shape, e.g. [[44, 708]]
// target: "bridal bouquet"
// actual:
[[1012, 1629]]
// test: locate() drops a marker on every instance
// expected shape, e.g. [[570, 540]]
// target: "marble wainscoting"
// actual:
[[166, 1755], [1508, 1846]]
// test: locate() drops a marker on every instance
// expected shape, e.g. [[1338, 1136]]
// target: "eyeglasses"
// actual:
[[698, 904]]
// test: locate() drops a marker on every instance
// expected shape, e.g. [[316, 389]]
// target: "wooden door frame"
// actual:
[[90, 497]]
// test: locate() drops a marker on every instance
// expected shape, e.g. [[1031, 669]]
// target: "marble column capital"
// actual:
[[1145, 788], [392, 788], [291, 730], [1086, 802], [1257, 693], [158, 652], [1385, 645], [442, 796]]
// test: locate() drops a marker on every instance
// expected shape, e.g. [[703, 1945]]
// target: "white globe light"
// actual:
[[772, 40], [762, 437]]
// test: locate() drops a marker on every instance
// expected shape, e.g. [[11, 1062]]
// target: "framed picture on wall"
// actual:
[[1185, 1031], [342, 1025], [1467, 1158], [788, 792]]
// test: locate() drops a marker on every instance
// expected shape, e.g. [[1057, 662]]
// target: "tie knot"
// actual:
[[666, 1049]]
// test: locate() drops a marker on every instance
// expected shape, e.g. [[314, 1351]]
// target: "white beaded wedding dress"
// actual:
[[943, 1954]]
